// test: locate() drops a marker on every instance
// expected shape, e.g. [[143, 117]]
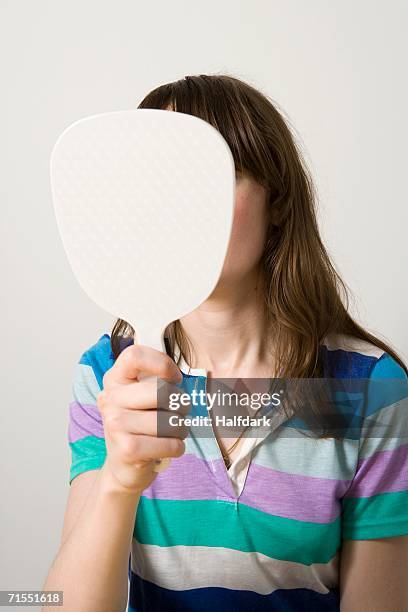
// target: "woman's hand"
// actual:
[[128, 406]]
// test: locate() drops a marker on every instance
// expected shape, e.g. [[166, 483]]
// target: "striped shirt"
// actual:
[[267, 533]]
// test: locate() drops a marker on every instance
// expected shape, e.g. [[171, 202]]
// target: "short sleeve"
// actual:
[[376, 502], [85, 428]]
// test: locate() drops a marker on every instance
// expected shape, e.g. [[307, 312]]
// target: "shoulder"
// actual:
[[349, 357], [98, 358]]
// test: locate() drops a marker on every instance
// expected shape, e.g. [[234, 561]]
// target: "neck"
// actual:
[[228, 330]]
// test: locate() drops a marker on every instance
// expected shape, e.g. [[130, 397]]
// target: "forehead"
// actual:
[[241, 172]]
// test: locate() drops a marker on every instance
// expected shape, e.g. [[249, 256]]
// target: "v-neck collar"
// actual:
[[185, 367], [223, 476]]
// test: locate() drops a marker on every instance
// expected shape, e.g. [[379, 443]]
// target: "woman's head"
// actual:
[[248, 234], [275, 218], [249, 230]]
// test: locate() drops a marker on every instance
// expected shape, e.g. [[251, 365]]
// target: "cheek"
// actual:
[[249, 222], [248, 234], [240, 214]]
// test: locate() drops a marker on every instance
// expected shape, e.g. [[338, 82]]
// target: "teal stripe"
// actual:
[[225, 524], [91, 463], [379, 516], [86, 454]]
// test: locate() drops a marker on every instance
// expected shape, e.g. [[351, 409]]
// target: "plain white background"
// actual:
[[338, 71]]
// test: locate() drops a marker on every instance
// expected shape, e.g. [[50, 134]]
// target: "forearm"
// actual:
[[91, 567]]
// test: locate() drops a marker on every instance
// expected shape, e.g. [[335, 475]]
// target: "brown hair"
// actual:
[[304, 293]]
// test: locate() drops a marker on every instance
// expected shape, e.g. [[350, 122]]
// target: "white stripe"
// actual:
[[194, 567], [350, 343], [317, 458], [85, 387]]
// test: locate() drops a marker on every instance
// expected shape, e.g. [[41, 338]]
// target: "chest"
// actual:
[[281, 531], [292, 490]]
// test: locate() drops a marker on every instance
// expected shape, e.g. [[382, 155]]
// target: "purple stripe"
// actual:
[[383, 472], [303, 498], [186, 478], [277, 493], [84, 420]]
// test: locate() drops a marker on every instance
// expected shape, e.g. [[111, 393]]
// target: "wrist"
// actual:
[[110, 485]]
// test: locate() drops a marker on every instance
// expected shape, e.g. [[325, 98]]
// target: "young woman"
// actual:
[[274, 523]]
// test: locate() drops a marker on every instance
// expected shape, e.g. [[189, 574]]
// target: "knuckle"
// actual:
[[132, 354], [185, 408], [129, 450], [106, 377], [113, 422], [167, 368], [102, 400], [184, 431], [178, 447], [146, 422]]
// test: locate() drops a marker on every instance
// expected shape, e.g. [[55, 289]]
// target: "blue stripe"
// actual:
[[387, 385], [387, 367], [144, 596], [339, 363], [99, 357]]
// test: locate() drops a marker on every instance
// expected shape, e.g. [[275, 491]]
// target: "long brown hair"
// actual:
[[305, 298]]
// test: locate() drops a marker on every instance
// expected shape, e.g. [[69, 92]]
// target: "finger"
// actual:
[[145, 448], [144, 395], [146, 423], [137, 359]]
